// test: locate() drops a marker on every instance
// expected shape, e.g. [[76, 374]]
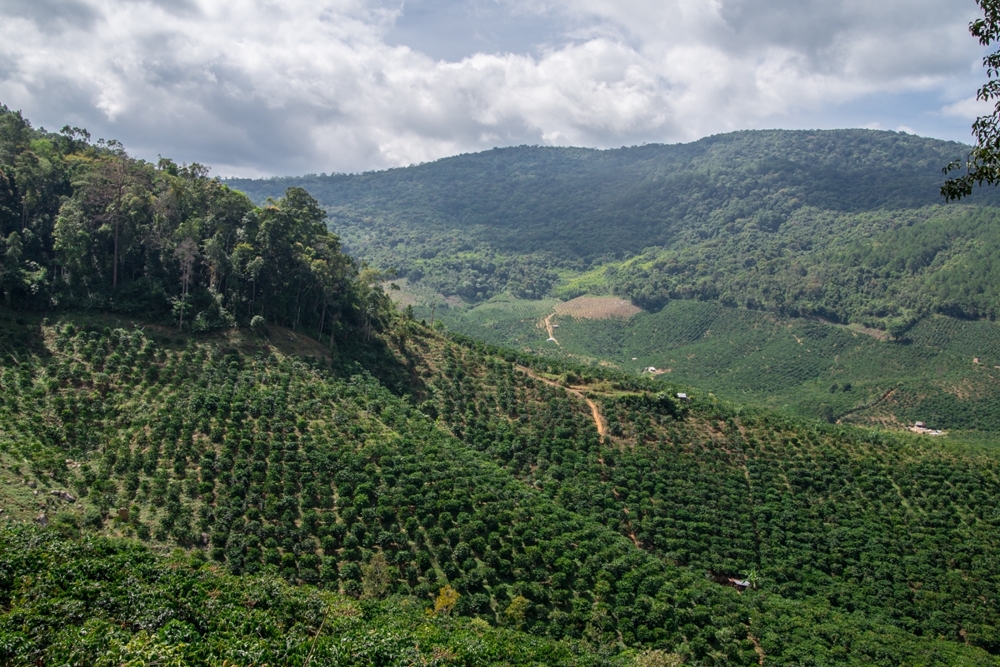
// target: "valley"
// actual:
[[229, 436], [812, 273], [806, 367]]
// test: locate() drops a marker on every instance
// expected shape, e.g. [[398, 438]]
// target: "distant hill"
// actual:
[[294, 472], [845, 227], [527, 219], [585, 204]]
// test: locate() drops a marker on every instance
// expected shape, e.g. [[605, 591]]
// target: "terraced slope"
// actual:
[[892, 526], [495, 486], [270, 464], [724, 242], [805, 367]]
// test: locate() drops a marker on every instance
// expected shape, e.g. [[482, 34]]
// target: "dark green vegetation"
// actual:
[[274, 466], [584, 204], [982, 166], [887, 269], [859, 521], [842, 224], [84, 225], [737, 246], [249, 495], [112, 602], [865, 550], [806, 367]]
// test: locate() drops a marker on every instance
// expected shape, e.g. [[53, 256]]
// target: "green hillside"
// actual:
[[221, 444], [805, 367], [499, 486], [844, 224], [582, 205], [886, 269], [736, 246], [731, 491]]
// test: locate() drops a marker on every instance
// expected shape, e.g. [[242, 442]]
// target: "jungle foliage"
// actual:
[[982, 166], [84, 225], [845, 224], [883, 270], [235, 493]]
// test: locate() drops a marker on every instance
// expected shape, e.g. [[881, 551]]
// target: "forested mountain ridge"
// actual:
[[847, 225], [293, 472], [583, 204]]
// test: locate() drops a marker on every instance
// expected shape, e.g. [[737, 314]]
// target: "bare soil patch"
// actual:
[[597, 308], [547, 323], [877, 334]]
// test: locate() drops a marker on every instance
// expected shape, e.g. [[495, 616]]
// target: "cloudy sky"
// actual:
[[262, 87]]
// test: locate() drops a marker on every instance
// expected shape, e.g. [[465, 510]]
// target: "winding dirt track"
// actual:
[[548, 327], [602, 428]]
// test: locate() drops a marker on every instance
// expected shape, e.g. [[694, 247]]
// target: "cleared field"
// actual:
[[597, 308]]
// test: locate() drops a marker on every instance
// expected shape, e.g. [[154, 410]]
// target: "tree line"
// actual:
[[85, 225]]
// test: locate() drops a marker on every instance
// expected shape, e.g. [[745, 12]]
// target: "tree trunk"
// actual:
[[114, 271], [298, 294], [322, 319]]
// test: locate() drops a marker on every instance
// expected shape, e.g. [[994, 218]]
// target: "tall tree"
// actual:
[[115, 192], [186, 253], [86, 225]]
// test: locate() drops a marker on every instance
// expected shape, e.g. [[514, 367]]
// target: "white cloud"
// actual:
[[288, 86], [969, 108]]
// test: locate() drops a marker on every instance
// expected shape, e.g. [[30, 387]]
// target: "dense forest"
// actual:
[[583, 205], [847, 225], [886, 269], [83, 225]]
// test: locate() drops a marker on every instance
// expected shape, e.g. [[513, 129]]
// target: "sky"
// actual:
[[289, 87]]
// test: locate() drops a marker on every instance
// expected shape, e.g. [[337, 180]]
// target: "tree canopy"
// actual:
[[840, 224], [982, 167], [84, 225]]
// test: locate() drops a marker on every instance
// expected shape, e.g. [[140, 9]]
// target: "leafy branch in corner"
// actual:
[[982, 166]]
